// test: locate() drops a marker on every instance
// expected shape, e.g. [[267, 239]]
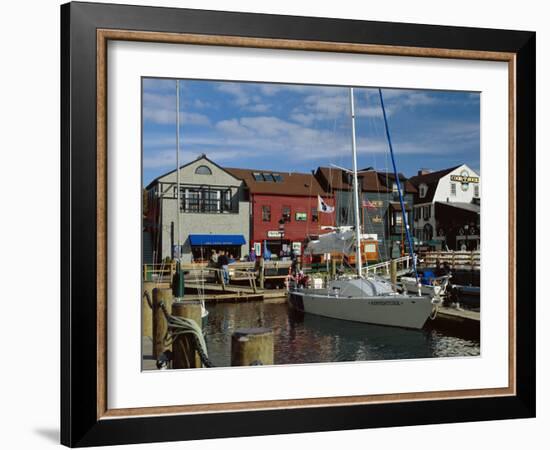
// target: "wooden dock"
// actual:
[[459, 315], [463, 322]]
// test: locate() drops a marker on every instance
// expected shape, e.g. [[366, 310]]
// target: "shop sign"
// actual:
[[464, 179], [275, 234]]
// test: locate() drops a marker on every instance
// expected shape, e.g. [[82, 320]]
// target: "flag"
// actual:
[[368, 204], [323, 207]]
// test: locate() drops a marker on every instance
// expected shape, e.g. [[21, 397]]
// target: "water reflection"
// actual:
[[306, 338]]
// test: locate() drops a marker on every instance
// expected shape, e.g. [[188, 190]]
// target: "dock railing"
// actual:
[[459, 260], [253, 273], [383, 268]]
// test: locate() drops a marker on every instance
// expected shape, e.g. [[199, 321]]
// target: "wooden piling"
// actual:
[[262, 272], [393, 271], [252, 346], [185, 355], [160, 325], [147, 310]]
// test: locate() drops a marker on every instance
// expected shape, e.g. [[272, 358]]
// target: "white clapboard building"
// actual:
[[446, 208]]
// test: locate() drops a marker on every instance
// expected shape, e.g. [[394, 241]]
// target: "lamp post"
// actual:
[[281, 232]]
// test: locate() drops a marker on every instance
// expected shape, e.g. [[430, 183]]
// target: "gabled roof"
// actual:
[[293, 183], [430, 180], [332, 178], [199, 158]]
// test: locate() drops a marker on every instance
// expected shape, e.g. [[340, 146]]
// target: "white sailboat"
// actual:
[[355, 297]]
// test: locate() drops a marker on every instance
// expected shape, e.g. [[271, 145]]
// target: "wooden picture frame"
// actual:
[[86, 419]]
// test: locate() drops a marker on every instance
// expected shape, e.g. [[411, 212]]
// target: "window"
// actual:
[[205, 200], [416, 213], [476, 190], [453, 189], [211, 200], [266, 176], [394, 187], [266, 213], [286, 213], [314, 215], [427, 212], [344, 216], [203, 170], [422, 190], [191, 200], [397, 218], [301, 217]]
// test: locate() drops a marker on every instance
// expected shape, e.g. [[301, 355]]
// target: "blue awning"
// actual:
[[217, 239]]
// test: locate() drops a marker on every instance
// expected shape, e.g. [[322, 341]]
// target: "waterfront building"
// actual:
[[213, 213], [283, 208], [446, 208], [380, 210]]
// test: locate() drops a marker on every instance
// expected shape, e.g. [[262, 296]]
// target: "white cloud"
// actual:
[[159, 159], [168, 117], [238, 91], [161, 109], [245, 96], [259, 107]]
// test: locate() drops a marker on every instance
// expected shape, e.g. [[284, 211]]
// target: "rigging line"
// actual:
[[403, 212], [372, 122]]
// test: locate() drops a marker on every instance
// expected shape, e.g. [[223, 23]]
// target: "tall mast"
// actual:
[[358, 262], [403, 211], [178, 166]]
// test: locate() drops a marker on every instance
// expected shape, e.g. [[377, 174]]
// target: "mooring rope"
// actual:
[[180, 326], [148, 298]]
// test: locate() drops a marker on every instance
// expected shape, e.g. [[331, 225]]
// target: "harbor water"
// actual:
[[306, 338]]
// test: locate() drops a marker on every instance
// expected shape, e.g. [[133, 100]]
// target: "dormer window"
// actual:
[[203, 170], [422, 190]]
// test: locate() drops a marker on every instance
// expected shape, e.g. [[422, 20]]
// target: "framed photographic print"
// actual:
[[273, 224]]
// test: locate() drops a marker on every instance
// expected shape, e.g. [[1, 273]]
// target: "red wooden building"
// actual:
[[283, 209]]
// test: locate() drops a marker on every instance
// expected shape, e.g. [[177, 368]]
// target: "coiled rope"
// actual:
[[180, 326]]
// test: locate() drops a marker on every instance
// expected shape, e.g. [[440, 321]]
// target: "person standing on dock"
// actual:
[[214, 258], [223, 262], [252, 255]]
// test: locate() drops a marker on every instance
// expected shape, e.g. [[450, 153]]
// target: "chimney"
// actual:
[[424, 172]]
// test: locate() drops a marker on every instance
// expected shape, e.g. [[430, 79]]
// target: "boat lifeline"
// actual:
[[355, 297]]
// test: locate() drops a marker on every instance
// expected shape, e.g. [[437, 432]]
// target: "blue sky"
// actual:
[[300, 127]]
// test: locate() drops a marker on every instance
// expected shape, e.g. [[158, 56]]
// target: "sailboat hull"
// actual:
[[395, 310]]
